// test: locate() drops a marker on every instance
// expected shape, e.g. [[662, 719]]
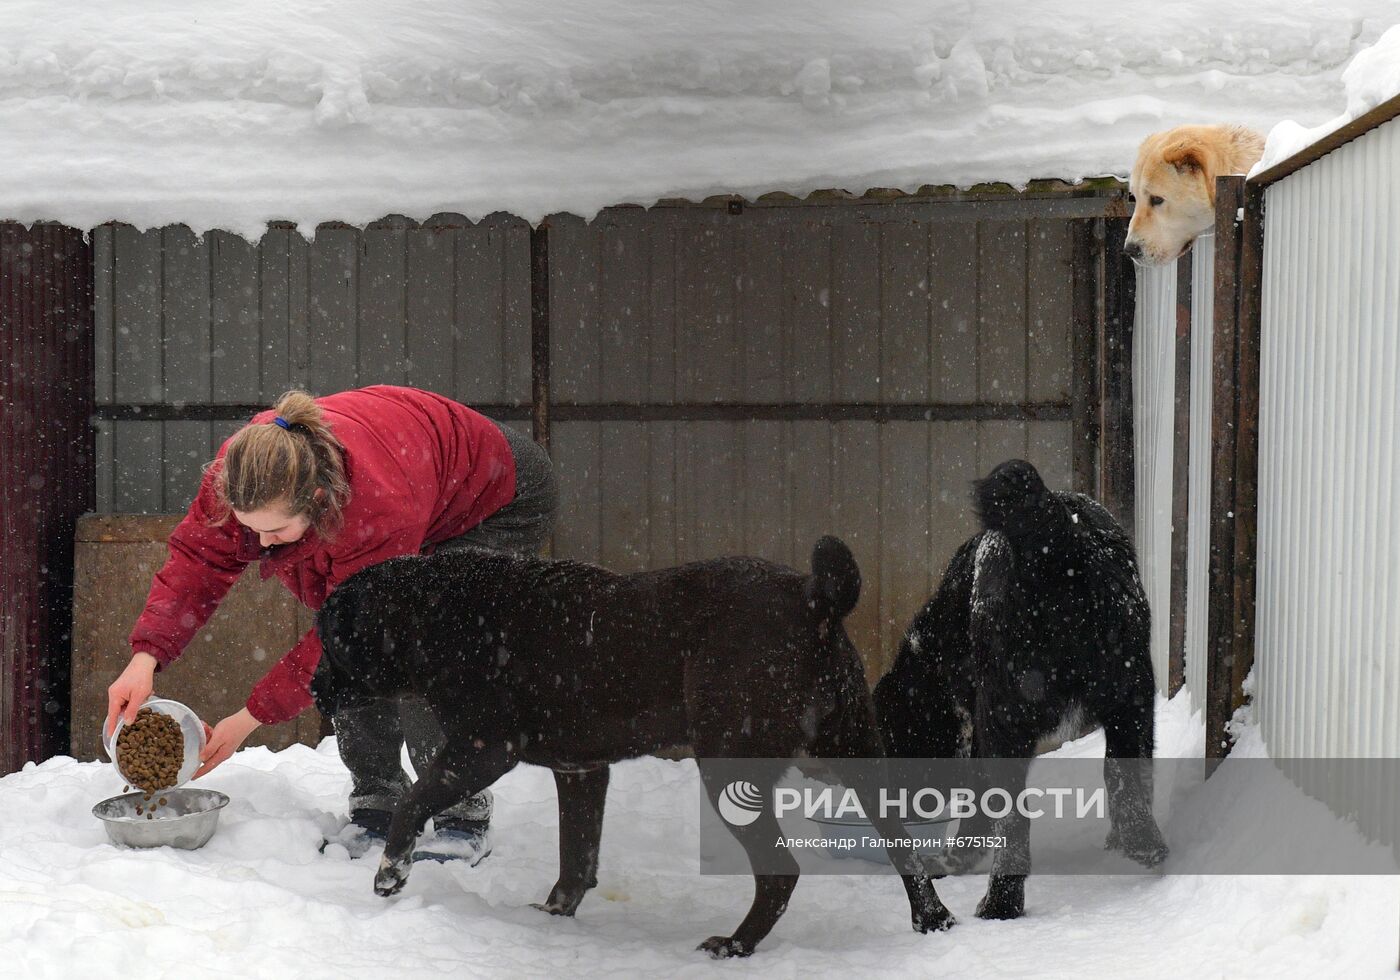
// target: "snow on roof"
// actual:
[[231, 115], [1372, 77]]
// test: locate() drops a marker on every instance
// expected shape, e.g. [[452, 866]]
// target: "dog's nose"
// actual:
[[1132, 248]]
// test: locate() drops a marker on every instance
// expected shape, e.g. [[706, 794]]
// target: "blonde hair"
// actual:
[[268, 464]]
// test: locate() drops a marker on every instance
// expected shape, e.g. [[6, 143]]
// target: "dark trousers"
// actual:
[[369, 734]]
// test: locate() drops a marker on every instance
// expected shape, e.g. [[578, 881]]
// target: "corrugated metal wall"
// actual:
[[1155, 386], [1154, 390], [45, 475], [720, 382], [1328, 614], [1198, 521]]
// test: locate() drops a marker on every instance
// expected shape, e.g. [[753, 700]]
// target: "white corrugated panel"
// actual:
[[1154, 419], [1327, 653], [1198, 523]]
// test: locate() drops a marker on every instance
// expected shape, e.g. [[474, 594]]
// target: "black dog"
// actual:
[[1040, 620], [566, 665]]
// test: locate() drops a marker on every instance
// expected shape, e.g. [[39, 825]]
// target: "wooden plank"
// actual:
[[708, 477], [517, 337], [332, 276], [1181, 482], [760, 312], [661, 501], [480, 312], [104, 448], [855, 312], [1087, 261], [575, 372], [578, 530], [298, 305], [905, 348], [429, 306], [624, 535], [541, 420], [186, 450], [705, 326], [185, 291], [275, 363], [810, 490], [104, 318], [661, 310], [855, 502], [137, 476], [137, 348], [954, 286], [382, 302], [1115, 371], [1246, 509], [220, 431], [234, 311], [997, 442], [1049, 297], [807, 297], [622, 344], [125, 527], [1047, 449], [1001, 304], [766, 501], [953, 465], [904, 526], [1220, 639]]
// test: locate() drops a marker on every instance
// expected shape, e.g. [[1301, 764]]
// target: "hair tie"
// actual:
[[279, 420]]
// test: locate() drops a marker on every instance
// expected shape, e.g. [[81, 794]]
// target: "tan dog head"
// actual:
[[1173, 182]]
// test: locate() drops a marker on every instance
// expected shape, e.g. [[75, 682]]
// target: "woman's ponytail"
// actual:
[[286, 462]]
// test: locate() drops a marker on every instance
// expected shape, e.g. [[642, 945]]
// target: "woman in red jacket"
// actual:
[[315, 490]]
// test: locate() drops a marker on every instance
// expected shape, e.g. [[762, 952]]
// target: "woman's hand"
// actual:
[[224, 740], [130, 690]]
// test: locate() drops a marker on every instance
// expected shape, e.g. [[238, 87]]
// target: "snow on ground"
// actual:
[[228, 115], [1372, 77], [259, 901]]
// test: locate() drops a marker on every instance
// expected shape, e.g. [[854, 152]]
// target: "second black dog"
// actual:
[[1040, 620], [569, 666]]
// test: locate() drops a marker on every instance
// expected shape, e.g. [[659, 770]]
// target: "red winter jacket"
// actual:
[[422, 469]]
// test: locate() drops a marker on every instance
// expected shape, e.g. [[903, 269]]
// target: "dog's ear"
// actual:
[[1190, 155], [1184, 153]]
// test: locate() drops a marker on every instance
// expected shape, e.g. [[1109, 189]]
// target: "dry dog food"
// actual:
[[150, 751]]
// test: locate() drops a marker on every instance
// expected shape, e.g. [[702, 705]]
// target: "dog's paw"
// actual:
[[1004, 900], [723, 947], [990, 908], [936, 918], [555, 908], [390, 879], [1143, 845]]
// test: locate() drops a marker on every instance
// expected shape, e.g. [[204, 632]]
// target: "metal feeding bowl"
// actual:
[[187, 821]]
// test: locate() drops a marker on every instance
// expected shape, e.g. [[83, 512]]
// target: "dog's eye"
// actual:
[[1155, 201]]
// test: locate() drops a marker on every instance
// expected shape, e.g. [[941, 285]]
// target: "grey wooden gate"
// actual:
[[711, 378]]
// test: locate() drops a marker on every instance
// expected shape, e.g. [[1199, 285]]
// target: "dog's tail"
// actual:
[[1010, 499], [834, 585]]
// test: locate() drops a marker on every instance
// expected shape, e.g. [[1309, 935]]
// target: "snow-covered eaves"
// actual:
[[234, 115]]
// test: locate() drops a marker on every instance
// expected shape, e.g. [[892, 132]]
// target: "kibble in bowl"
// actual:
[[160, 749]]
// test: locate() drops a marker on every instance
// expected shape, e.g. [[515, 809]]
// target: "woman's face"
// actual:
[[273, 524]]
